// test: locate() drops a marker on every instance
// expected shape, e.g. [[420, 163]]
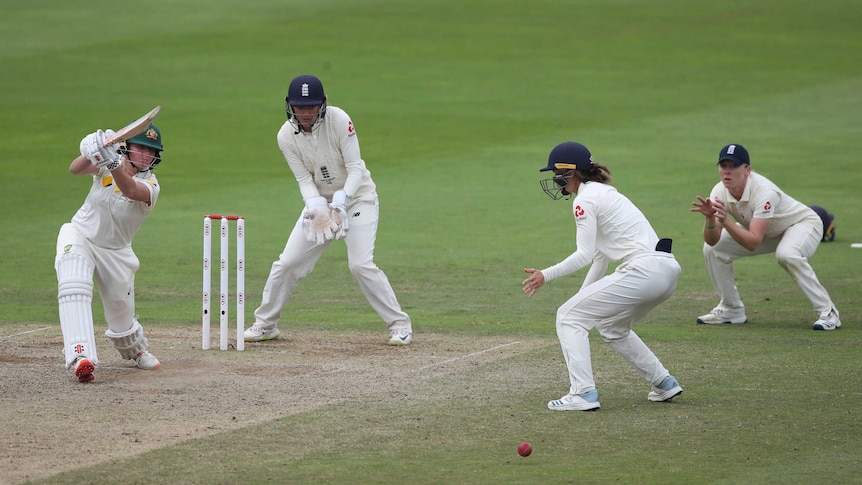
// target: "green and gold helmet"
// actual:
[[152, 138]]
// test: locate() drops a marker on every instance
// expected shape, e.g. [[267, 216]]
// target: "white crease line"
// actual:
[[453, 359], [23, 333]]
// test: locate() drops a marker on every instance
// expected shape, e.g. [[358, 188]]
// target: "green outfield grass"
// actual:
[[457, 105]]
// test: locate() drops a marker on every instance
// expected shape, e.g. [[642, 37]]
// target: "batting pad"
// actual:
[[75, 297], [130, 344]]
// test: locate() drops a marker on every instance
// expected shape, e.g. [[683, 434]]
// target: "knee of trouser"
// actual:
[[613, 335], [291, 266], [119, 313], [364, 268], [130, 343], [788, 258], [712, 253]]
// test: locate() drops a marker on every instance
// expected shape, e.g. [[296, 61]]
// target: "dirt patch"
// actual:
[[52, 423]]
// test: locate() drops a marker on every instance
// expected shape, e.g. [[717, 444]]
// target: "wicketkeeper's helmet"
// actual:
[[305, 90]]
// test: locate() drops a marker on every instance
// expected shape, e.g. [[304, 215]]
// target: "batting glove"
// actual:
[[317, 223], [339, 213], [111, 153], [93, 149]]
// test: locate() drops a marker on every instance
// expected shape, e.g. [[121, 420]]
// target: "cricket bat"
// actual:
[[134, 128]]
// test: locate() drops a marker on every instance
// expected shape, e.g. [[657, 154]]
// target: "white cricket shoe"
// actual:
[[147, 361], [667, 390], [258, 333], [84, 368], [587, 401], [723, 315], [828, 321], [400, 337]]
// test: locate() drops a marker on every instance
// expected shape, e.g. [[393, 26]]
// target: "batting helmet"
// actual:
[[152, 138], [828, 223]]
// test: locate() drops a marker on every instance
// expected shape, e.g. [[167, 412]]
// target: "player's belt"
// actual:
[[664, 245]]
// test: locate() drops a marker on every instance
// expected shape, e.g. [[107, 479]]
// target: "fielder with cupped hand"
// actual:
[[321, 148], [610, 228], [764, 220]]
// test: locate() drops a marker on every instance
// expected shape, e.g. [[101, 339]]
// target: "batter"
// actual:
[[97, 243]]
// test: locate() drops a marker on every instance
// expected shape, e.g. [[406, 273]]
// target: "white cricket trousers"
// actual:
[[612, 305], [792, 250], [299, 257]]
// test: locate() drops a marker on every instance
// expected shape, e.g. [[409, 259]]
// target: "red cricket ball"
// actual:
[[524, 449]]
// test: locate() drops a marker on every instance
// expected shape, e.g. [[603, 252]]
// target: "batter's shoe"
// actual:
[[147, 361], [667, 390], [400, 337], [828, 321], [258, 333], [84, 369], [587, 401], [723, 315]]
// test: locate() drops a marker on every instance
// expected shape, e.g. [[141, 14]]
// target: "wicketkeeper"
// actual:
[[321, 148]]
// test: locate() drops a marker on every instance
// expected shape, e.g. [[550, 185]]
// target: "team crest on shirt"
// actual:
[[350, 129], [579, 212], [67, 248]]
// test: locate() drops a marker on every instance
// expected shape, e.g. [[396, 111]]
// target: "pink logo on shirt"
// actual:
[[579, 211], [767, 206], [350, 128]]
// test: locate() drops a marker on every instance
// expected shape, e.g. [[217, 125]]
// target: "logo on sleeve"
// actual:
[[350, 129], [767, 207], [579, 211]]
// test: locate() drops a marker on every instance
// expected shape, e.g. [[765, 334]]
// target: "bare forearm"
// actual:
[[81, 166], [711, 230]]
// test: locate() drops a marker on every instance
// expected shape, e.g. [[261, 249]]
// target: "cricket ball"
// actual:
[[524, 449]]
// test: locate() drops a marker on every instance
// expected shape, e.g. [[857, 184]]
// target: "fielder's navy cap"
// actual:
[[736, 153], [569, 155]]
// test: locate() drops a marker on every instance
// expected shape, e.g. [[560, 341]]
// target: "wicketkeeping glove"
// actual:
[[317, 223], [339, 213]]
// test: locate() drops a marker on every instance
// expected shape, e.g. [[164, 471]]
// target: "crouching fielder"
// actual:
[[97, 243], [609, 229]]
